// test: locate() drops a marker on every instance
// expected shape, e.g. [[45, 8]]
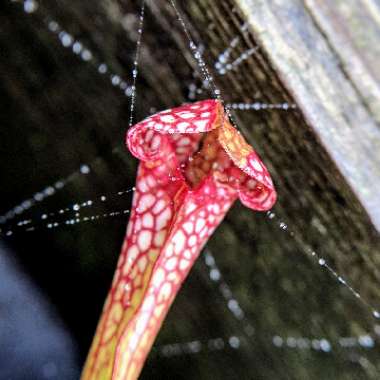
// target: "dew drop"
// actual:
[[115, 80], [102, 68], [325, 345], [215, 274], [38, 197], [59, 185], [53, 26], [49, 191], [129, 91], [84, 169], [66, 39], [86, 55], [26, 204], [30, 6], [234, 342], [77, 47], [19, 210], [277, 341], [210, 261], [366, 341]]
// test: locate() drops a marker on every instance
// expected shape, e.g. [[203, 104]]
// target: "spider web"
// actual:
[[243, 333]]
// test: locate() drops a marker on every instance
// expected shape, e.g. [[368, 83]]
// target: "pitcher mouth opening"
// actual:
[[197, 142], [211, 159]]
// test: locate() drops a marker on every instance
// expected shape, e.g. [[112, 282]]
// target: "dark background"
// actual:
[[274, 312]]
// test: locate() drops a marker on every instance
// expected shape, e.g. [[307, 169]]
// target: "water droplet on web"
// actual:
[[66, 39], [102, 68], [277, 341], [136, 63], [214, 274], [85, 169], [86, 55], [59, 185], [257, 106], [30, 6], [366, 341], [19, 210], [321, 262], [115, 80], [38, 197], [49, 191], [341, 280], [53, 26], [325, 345], [291, 342], [26, 204], [234, 342], [77, 47], [315, 344], [209, 260]]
